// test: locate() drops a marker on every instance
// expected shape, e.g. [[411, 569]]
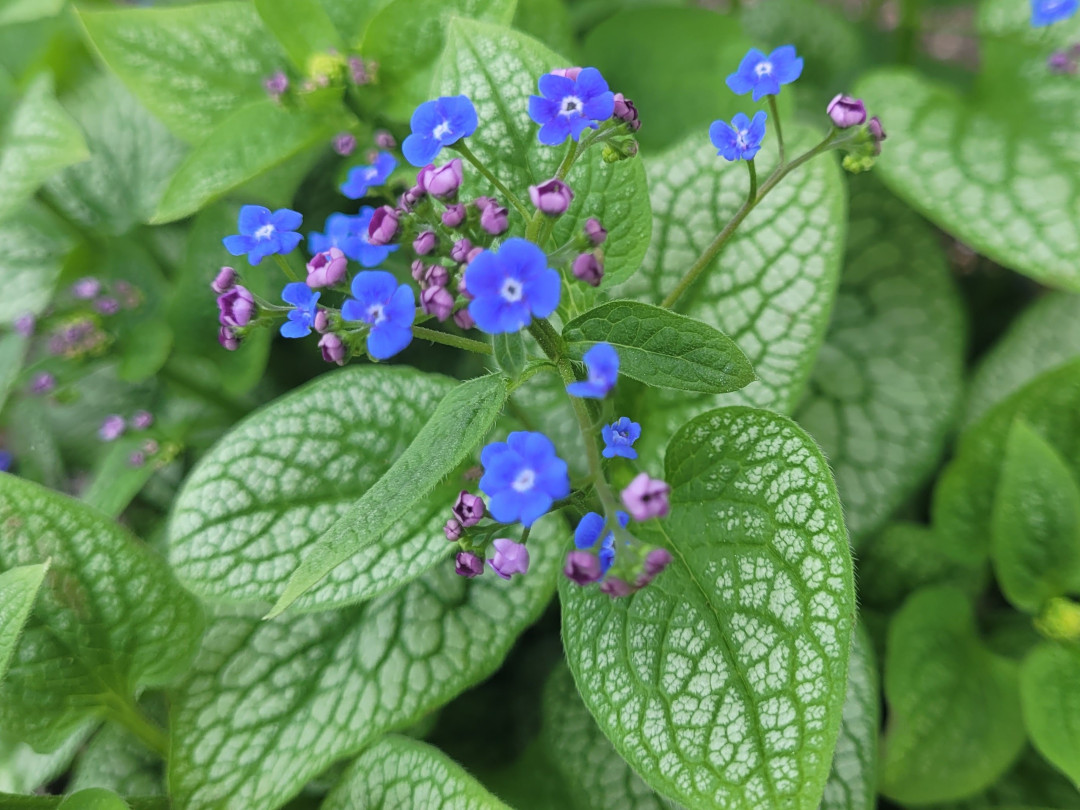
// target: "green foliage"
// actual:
[[510, 353], [115, 760], [302, 27], [18, 590], [1051, 702], [852, 781]]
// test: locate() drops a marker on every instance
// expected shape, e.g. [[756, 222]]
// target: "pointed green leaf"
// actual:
[[722, 683], [888, 381], [939, 677], [24, 770], [110, 621], [302, 27], [662, 348], [1051, 702], [351, 17], [852, 782], [18, 590], [35, 245], [285, 475], [509, 351], [398, 772], [115, 760], [498, 69], [271, 704], [457, 426]]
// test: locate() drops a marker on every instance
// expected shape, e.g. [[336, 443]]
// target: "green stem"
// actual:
[[775, 113], [286, 268], [451, 340], [753, 178], [588, 438], [136, 722], [549, 340], [466, 153]]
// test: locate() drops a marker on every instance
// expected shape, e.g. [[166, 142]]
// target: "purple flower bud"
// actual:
[[236, 307], [359, 72], [112, 427], [454, 215], [655, 562], [276, 84], [425, 243], [846, 111], [595, 231], [43, 383], [468, 508], [493, 219], [877, 132], [326, 269], [462, 289], [646, 498], [437, 301], [228, 338], [460, 251], [383, 227], [582, 567], [384, 140], [86, 288], [107, 305], [419, 271], [552, 197], [463, 319], [410, 198], [137, 459], [1060, 63], [626, 111], [613, 586], [588, 268], [436, 276], [150, 447], [224, 281], [442, 182], [321, 321], [452, 530], [333, 349], [476, 251], [467, 564], [570, 73], [344, 143], [482, 203], [24, 324], [141, 420], [510, 558]]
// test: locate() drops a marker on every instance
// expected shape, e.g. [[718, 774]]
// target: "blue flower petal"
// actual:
[[387, 339], [420, 150], [253, 217]]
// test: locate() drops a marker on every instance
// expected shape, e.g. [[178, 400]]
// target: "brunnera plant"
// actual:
[[587, 459]]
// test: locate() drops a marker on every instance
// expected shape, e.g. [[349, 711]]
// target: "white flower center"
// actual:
[[763, 68], [371, 173], [265, 232], [742, 138], [376, 314], [525, 480], [571, 105], [442, 129], [512, 290]]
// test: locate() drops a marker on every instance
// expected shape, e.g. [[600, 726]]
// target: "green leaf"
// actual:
[[1044, 336], [93, 799], [662, 348], [110, 621], [398, 772], [351, 17], [279, 480], [547, 21], [302, 27], [771, 289], [1035, 524], [722, 683], [498, 68], [852, 782], [38, 140], [1017, 125], [132, 156], [24, 770], [18, 590], [594, 773], [887, 384], [115, 760], [13, 347], [954, 712], [1051, 702], [271, 704], [115, 482], [18, 11], [460, 422], [192, 66], [510, 354]]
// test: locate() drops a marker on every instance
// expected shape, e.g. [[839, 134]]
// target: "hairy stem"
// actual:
[[467, 153], [286, 268], [775, 113], [451, 340]]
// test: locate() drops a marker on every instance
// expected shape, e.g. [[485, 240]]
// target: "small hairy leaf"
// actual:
[[954, 712], [852, 782], [18, 590], [722, 683], [1035, 539], [399, 772], [1051, 703], [510, 354], [271, 704], [302, 27], [461, 421], [662, 348]]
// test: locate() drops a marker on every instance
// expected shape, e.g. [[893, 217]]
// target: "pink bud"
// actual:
[[588, 268], [846, 111], [437, 301], [224, 281], [464, 319], [646, 498], [333, 349], [326, 269], [425, 243], [552, 197], [510, 558], [383, 227]]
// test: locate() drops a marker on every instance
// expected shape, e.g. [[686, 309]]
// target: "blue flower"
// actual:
[[522, 477], [1047, 12], [436, 124], [619, 438], [741, 139], [764, 74], [263, 233], [602, 364], [570, 106], [361, 178], [511, 286], [350, 236], [390, 308], [588, 532], [304, 299]]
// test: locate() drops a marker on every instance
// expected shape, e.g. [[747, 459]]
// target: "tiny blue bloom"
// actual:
[[362, 178], [588, 532], [350, 236], [301, 318], [602, 364], [567, 107], [522, 477], [263, 233], [1047, 12], [390, 308], [741, 139], [619, 438], [511, 286], [6, 460], [436, 124], [764, 74]]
